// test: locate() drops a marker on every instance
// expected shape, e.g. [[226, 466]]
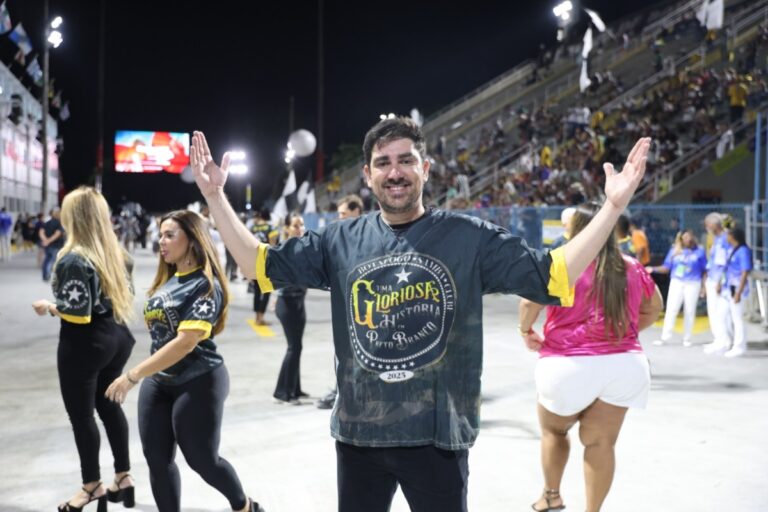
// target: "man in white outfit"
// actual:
[[717, 307]]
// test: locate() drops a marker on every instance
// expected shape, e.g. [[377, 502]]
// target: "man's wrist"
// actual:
[[524, 332], [216, 196]]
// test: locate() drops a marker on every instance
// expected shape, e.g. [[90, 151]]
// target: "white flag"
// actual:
[[715, 14], [290, 185], [311, 205], [587, 43], [279, 211], [301, 195], [701, 14], [584, 80], [599, 25]]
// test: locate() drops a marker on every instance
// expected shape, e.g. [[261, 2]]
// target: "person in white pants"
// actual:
[[735, 288], [687, 264], [717, 304]]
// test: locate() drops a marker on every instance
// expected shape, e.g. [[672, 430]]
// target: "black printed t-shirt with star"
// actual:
[[406, 309], [76, 288], [184, 303]]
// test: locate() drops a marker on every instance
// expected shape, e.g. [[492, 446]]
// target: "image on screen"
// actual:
[[148, 152]]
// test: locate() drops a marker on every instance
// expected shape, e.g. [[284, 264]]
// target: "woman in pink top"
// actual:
[[591, 366]]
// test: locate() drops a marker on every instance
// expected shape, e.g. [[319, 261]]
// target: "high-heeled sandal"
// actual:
[[254, 506], [126, 494], [102, 502], [549, 496]]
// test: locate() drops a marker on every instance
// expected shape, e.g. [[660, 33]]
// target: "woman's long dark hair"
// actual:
[[609, 287], [203, 252]]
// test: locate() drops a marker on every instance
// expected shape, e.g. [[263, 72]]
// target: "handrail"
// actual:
[[672, 18], [673, 170], [522, 69], [488, 169]]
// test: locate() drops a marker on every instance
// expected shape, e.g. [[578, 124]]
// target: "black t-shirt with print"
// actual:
[[184, 302], [76, 288]]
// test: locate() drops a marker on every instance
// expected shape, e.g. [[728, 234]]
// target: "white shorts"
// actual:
[[568, 385]]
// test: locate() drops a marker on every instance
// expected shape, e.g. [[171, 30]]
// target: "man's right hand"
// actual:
[[210, 178]]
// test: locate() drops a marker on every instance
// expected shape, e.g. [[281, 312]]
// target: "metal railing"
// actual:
[[665, 180]]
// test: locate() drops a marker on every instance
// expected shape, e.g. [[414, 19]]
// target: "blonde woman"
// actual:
[[93, 301], [686, 263], [181, 401]]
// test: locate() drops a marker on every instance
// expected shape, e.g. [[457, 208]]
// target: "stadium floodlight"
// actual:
[[55, 38], [563, 10], [56, 23], [238, 169], [236, 156], [237, 162]]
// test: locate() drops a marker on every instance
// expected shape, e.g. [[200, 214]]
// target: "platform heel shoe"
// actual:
[[125, 495], [100, 507]]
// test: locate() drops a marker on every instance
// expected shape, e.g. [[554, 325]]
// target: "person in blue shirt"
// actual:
[[406, 288], [734, 286], [686, 263], [717, 304]]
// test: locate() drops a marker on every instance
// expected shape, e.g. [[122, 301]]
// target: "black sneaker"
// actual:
[[327, 401], [255, 506]]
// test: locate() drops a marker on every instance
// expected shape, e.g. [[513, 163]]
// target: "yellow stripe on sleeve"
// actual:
[[197, 325], [265, 285], [75, 319], [558, 285]]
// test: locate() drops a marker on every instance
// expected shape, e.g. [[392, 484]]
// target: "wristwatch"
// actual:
[[521, 332]]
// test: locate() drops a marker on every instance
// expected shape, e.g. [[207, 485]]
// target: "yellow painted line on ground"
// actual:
[[262, 330], [701, 324]]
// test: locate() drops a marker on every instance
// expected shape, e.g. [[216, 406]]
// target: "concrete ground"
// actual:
[[700, 446]]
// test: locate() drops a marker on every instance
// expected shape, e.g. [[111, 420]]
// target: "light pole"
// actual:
[[52, 38]]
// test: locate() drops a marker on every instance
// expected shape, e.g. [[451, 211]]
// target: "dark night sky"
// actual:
[[229, 68]]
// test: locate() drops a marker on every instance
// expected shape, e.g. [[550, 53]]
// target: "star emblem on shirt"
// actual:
[[203, 308], [402, 276], [74, 294]]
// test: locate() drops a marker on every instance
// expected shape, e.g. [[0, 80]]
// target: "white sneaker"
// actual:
[[658, 343], [687, 344], [715, 348], [736, 352]]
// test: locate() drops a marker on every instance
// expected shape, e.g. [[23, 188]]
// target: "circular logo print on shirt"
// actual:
[[161, 318], [401, 309], [203, 307], [75, 294]]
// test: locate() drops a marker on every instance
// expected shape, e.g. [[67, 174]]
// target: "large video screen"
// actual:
[[151, 151]]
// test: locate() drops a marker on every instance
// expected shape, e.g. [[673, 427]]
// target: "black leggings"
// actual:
[[189, 415], [260, 300], [293, 317], [90, 357]]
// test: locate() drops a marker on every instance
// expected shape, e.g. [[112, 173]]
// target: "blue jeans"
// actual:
[[48, 259]]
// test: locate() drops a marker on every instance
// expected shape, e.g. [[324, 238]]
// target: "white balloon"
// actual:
[[302, 142], [186, 175]]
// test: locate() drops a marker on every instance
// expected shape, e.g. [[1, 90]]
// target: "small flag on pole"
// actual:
[[33, 69], [20, 37], [5, 19], [584, 80]]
